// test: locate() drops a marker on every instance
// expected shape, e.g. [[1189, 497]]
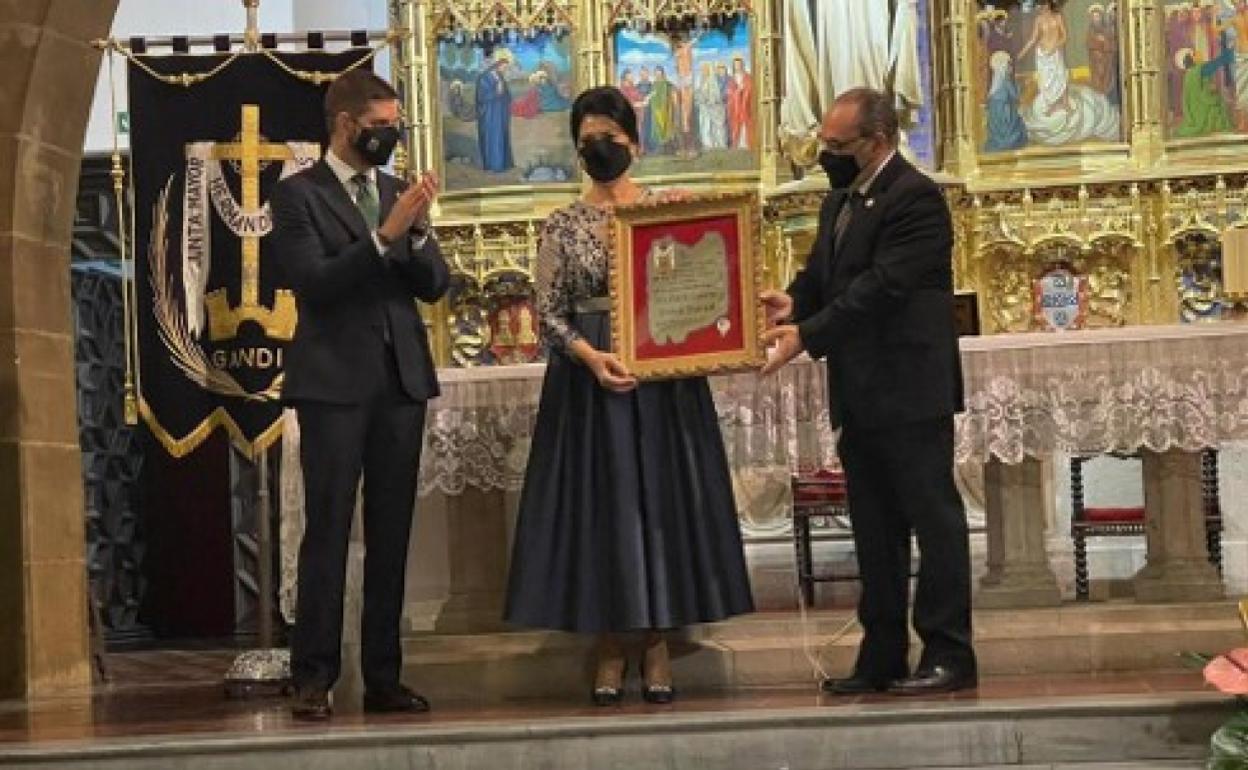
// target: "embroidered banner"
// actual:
[[215, 310]]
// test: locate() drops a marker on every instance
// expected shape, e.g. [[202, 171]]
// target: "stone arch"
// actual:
[[48, 72]]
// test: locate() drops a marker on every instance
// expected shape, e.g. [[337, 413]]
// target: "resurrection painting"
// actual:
[[1048, 74]]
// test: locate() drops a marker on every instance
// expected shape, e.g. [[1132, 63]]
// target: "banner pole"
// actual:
[[251, 36], [264, 549], [263, 671]]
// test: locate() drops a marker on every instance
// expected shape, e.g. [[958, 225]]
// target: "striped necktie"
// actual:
[[366, 200], [844, 215]]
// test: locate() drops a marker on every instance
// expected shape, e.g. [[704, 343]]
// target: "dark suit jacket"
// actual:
[[880, 308], [346, 292]]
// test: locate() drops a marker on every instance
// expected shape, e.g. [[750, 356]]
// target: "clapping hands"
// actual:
[[411, 208]]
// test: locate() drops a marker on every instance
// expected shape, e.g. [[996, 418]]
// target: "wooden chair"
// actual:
[[1105, 521], [815, 494]]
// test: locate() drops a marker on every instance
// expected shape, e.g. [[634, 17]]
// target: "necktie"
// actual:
[[844, 215], [366, 200]]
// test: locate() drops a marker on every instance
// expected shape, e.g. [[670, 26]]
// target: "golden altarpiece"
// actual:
[[1099, 141]]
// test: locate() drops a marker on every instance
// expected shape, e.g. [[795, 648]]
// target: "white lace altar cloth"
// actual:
[[1154, 387], [1139, 387]]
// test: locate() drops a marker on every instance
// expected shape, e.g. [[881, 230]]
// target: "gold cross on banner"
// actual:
[[223, 320]]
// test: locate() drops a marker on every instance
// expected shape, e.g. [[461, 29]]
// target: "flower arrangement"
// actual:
[[1228, 672]]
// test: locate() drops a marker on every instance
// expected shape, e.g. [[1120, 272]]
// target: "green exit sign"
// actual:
[[123, 122]]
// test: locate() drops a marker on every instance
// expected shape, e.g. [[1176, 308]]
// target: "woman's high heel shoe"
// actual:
[[657, 672], [609, 681], [609, 694]]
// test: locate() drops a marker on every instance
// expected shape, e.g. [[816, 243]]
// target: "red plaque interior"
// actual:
[[708, 339]]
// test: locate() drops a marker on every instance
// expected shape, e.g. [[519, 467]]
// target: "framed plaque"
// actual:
[[685, 278]]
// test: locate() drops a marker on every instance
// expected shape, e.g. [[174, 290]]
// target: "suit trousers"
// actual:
[[900, 481], [380, 438]]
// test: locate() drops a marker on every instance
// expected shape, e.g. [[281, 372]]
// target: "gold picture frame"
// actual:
[[685, 278]]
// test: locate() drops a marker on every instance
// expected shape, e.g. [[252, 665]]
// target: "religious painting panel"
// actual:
[[830, 48], [695, 93], [503, 100], [685, 277], [1198, 276], [1205, 68], [1048, 74]]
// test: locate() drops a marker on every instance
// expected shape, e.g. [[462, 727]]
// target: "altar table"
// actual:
[[1165, 391]]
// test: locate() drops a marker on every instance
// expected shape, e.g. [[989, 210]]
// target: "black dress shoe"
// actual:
[[311, 704], [396, 701], [936, 679], [853, 685]]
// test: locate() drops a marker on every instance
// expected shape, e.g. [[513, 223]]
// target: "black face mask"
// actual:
[[376, 143], [605, 159], [841, 169]]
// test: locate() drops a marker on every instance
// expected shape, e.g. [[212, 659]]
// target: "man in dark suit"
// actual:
[[876, 300], [355, 244]]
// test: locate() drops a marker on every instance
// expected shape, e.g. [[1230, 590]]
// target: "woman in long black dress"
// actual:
[[627, 520]]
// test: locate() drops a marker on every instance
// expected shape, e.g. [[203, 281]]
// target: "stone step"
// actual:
[[1137, 732], [768, 650]]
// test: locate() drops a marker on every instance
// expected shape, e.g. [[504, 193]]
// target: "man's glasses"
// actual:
[[840, 145]]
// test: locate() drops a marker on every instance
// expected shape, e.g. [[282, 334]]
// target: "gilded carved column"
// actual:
[[591, 44], [768, 67], [413, 68], [1159, 298], [954, 74], [1144, 59], [964, 226]]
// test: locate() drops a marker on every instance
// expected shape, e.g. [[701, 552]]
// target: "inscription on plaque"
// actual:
[[687, 287]]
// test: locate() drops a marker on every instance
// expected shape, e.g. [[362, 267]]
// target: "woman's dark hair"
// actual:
[[605, 102]]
